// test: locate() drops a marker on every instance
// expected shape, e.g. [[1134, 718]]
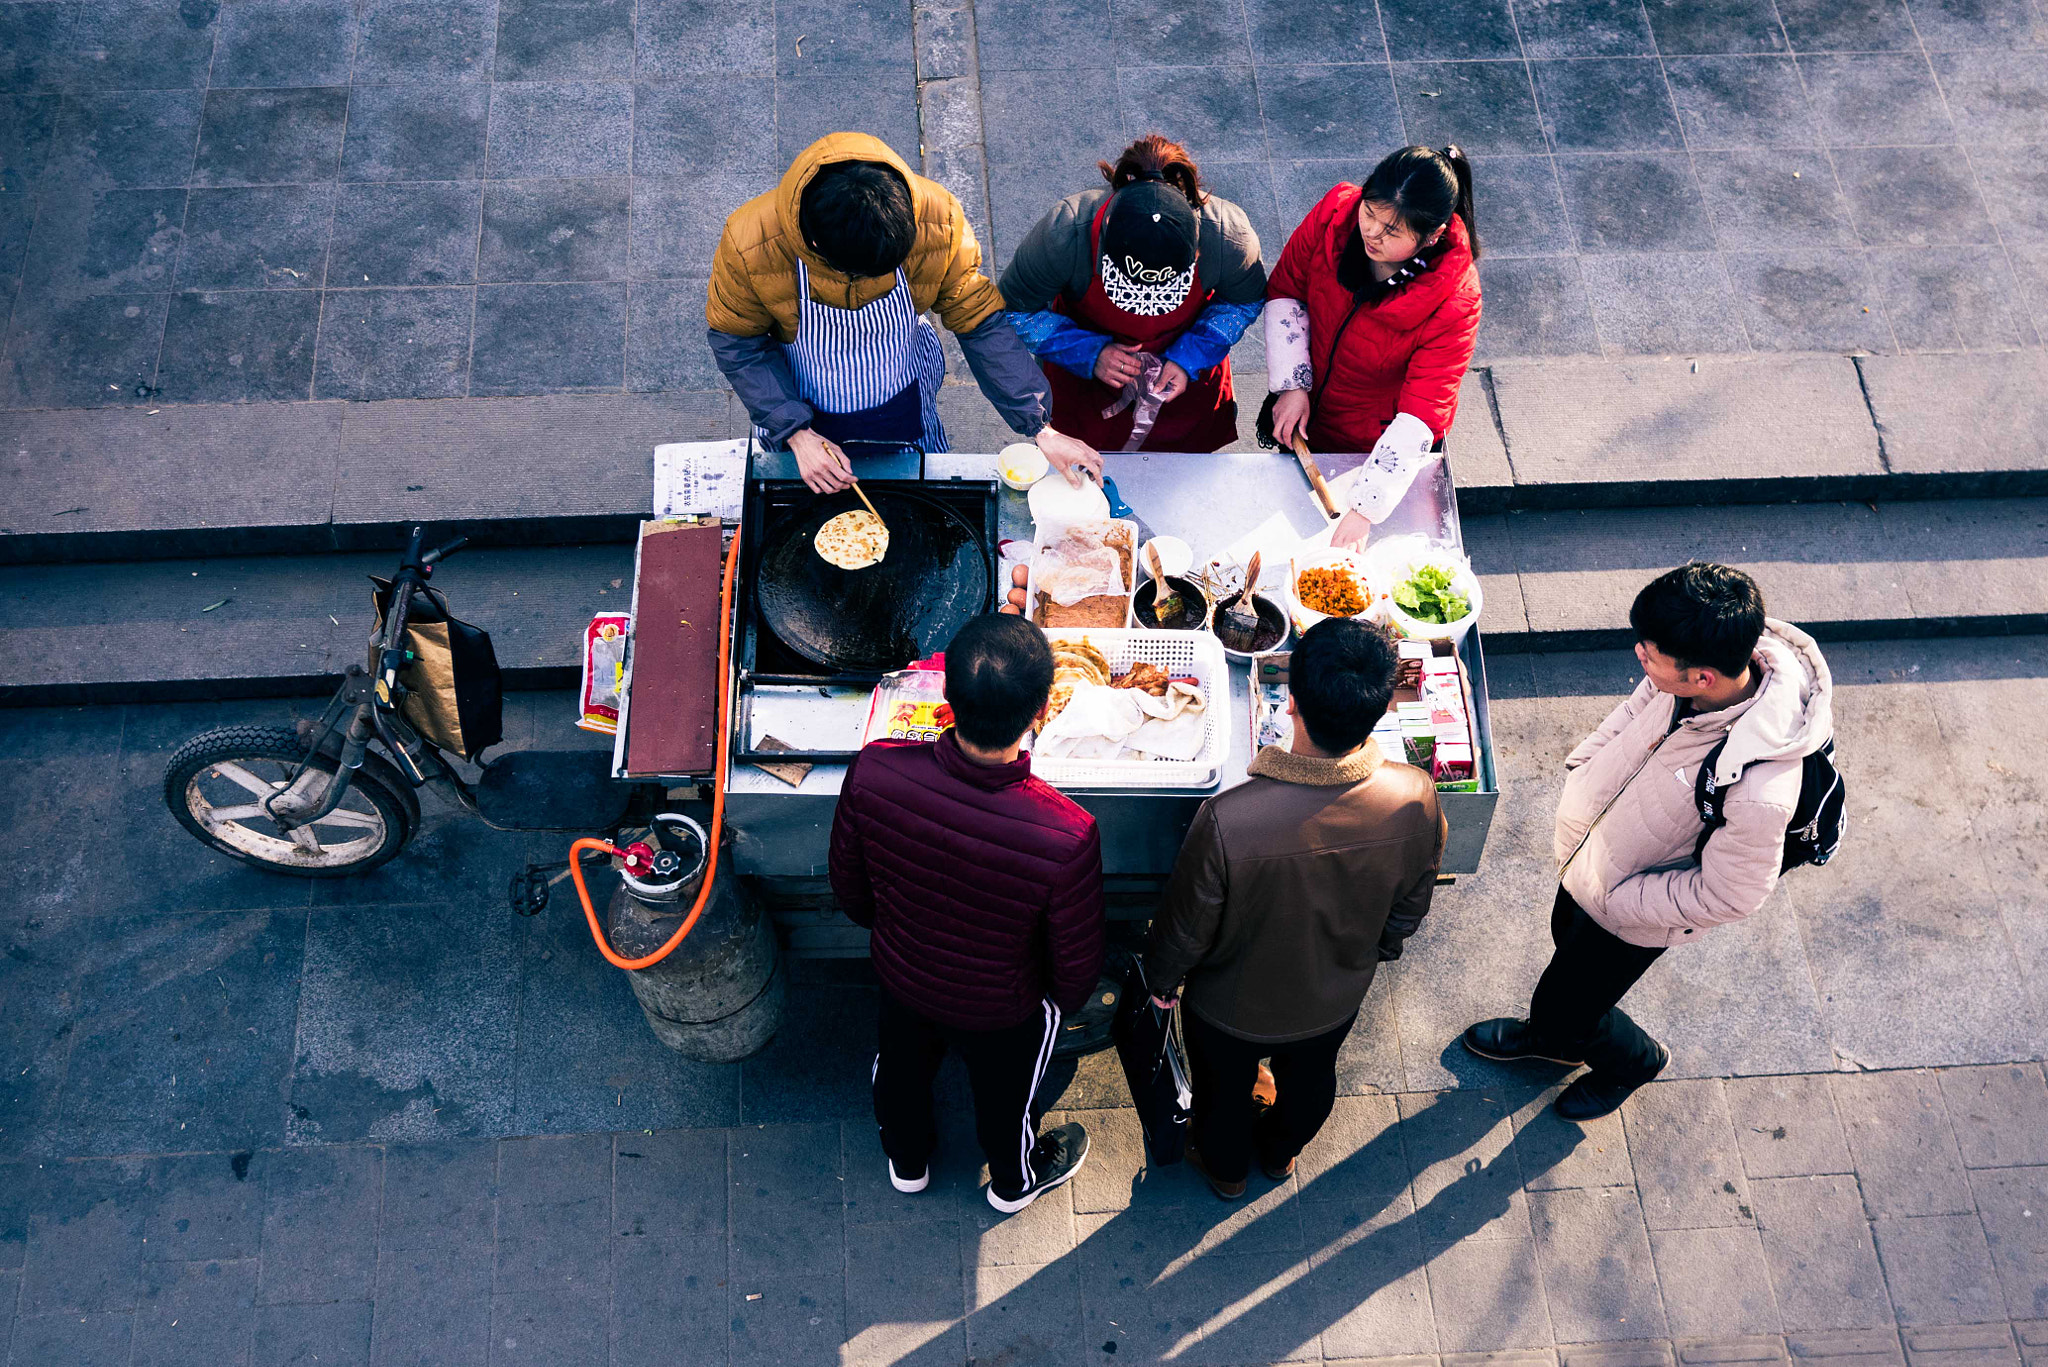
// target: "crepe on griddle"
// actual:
[[853, 540]]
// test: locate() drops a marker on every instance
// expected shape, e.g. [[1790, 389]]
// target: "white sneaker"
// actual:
[[909, 1184], [1058, 1156]]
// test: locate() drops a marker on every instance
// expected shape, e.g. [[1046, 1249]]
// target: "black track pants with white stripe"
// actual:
[[1004, 1067]]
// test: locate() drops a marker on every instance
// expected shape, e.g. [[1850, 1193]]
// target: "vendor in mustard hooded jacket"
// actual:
[[816, 314]]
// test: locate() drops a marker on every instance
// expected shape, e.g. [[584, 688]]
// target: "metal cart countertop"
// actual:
[[1209, 501]]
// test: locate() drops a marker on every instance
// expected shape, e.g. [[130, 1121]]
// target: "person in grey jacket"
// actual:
[[1131, 295], [1715, 668]]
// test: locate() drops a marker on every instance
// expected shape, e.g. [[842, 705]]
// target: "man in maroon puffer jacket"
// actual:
[[983, 887]]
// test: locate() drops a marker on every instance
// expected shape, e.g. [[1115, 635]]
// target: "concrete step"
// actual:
[[210, 480], [278, 626], [281, 625], [1844, 570]]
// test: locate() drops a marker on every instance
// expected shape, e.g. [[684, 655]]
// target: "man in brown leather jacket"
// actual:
[[1290, 890]]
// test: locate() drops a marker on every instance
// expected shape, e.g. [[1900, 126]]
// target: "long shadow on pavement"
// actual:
[[1180, 1275]]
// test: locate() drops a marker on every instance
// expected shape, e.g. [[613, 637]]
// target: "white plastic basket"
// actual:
[[1193, 655]]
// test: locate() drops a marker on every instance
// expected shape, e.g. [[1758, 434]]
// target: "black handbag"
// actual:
[[1155, 1060]]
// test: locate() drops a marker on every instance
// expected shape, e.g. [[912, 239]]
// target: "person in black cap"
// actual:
[[1131, 297]]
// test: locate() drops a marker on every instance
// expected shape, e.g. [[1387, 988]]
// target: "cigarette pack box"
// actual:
[[1418, 740], [1412, 657], [1387, 736], [1453, 767]]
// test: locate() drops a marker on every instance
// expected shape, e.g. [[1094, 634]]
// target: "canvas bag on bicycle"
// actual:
[[454, 695]]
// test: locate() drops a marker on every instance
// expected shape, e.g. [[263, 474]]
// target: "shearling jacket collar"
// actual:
[[1280, 763]]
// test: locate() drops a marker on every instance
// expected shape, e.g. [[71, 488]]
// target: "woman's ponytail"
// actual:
[[1462, 169], [1156, 157]]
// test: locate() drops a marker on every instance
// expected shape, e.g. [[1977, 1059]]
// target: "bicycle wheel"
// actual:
[[216, 783]]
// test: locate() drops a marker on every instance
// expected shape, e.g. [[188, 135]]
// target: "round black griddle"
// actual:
[[935, 576]]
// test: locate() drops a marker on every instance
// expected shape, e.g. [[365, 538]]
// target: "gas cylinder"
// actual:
[[718, 997]]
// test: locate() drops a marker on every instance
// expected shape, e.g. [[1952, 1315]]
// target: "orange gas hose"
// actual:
[[732, 559]]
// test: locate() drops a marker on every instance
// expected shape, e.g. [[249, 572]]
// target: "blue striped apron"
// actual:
[[872, 373]]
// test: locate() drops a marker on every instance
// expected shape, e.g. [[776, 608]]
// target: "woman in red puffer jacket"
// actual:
[[1372, 312]]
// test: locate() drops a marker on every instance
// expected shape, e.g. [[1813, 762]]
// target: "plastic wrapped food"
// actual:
[[604, 672], [1082, 577], [909, 705]]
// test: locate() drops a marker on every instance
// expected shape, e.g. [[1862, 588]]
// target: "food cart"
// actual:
[[787, 712]]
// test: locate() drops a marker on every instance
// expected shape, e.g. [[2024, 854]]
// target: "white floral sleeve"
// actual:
[[1287, 364], [1399, 455]]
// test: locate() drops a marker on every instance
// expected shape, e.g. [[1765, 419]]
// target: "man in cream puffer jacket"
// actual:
[[1716, 667]]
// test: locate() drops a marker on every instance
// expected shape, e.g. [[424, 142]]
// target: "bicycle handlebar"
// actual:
[[443, 552]]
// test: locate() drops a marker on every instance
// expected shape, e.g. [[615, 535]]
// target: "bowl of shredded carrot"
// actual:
[[1329, 583]]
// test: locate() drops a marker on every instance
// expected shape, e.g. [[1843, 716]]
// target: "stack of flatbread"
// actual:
[[853, 541], [1084, 577], [1074, 665], [1101, 722]]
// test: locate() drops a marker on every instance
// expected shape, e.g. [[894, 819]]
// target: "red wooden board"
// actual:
[[673, 722]]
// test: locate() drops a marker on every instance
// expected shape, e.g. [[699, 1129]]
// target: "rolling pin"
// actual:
[[1316, 480]]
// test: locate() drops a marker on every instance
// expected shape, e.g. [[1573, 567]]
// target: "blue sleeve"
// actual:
[[1057, 338], [1211, 336]]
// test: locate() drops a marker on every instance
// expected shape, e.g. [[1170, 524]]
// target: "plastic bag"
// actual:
[[604, 671]]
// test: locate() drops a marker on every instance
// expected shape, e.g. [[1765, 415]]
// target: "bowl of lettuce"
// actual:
[[1432, 594]]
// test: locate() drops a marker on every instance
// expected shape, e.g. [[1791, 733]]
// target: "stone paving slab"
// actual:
[[214, 479], [1951, 414], [383, 1033], [1630, 167], [1859, 568], [175, 480], [604, 1246], [1791, 422], [577, 459], [1554, 580], [1984, 1001]]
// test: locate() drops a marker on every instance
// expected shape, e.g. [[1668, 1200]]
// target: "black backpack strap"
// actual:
[[1710, 798]]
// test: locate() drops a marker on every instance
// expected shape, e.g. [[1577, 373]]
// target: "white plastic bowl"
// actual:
[[1302, 615], [1176, 557], [1391, 561], [1021, 464]]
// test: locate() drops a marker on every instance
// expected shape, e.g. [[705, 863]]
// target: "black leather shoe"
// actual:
[[1505, 1040], [1593, 1096]]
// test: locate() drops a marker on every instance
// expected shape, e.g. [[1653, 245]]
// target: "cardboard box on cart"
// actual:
[[1468, 803]]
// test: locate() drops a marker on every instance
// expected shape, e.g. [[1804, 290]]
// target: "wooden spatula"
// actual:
[[1315, 478], [1241, 619], [1166, 604]]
